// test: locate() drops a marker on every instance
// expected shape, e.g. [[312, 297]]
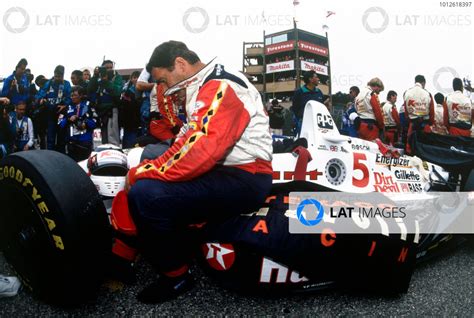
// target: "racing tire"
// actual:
[[54, 229]]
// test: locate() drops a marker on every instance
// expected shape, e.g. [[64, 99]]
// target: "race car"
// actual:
[[55, 232]]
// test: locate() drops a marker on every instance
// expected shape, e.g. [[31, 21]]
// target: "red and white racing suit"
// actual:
[[391, 121], [227, 124], [458, 114], [419, 108], [169, 124], [368, 108], [218, 167], [438, 126]]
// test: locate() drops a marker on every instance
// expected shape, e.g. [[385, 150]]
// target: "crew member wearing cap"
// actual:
[[458, 111], [368, 108], [218, 167], [55, 95]]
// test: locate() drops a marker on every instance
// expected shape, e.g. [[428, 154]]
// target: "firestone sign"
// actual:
[[312, 48], [320, 69], [280, 67], [279, 47]]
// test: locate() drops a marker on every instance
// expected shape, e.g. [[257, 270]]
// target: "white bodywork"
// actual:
[[350, 164], [338, 162]]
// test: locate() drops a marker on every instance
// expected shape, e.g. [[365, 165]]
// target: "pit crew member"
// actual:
[[368, 108]]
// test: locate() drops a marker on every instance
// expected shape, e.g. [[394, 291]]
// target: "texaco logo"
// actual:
[[371, 28], [26, 20], [195, 28]]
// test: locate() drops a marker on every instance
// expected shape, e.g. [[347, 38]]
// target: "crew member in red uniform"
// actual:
[[391, 119], [219, 166], [168, 124], [458, 111], [369, 110], [419, 109]]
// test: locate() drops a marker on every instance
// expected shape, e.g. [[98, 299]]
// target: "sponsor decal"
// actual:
[[324, 121], [35, 195], [407, 175], [280, 47], [312, 48], [322, 147], [411, 187], [221, 257], [289, 175], [280, 67], [360, 147], [383, 183], [273, 272], [320, 69], [381, 159]]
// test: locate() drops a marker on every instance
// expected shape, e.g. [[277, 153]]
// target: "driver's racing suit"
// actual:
[[219, 166]]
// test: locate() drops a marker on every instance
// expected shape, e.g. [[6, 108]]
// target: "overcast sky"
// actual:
[[394, 40]]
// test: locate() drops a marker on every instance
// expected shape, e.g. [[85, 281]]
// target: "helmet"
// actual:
[[108, 169]]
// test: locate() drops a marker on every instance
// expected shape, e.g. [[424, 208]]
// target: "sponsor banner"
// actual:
[[312, 48], [280, 67], [409, 215], [279, 47], [320, 69]]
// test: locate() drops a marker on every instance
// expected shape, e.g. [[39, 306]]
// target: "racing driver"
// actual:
[[219, 165]]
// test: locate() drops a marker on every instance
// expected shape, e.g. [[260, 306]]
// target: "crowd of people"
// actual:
[[57, 114], [367, 118]]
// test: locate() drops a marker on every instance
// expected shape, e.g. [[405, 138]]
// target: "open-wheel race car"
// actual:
[[56, 234]]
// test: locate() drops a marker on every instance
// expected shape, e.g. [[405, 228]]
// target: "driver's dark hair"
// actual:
[[308, 76], [457, 84], [166, 53]]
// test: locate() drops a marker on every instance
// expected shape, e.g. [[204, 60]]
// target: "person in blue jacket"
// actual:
[[79, 125], [55, 95], [350, 115], [309, 91], [16, 86], [7, 132]]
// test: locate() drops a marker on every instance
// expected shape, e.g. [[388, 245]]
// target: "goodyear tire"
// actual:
[[54, 229]]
